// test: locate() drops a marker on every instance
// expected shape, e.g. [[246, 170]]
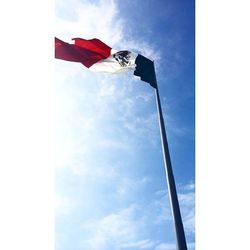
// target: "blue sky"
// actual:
[[111, 190], [91, 192]]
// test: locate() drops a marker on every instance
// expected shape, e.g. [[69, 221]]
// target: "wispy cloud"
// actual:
[[114, 122], [142, 244], [172, 246], [128, 186], [124, 229], [187, 202], [117, 231], [166, 246], [173, 127], [63, 205], [186, 198], [89, 19]]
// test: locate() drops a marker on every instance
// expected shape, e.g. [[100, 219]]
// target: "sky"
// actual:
[[95, 186], [110, 185]]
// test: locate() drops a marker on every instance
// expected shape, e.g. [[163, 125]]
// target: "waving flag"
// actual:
[[99, 57]]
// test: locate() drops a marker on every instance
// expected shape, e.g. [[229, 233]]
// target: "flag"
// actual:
[[99, 57]]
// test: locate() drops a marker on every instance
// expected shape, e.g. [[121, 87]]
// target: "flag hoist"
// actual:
[[97, 56]]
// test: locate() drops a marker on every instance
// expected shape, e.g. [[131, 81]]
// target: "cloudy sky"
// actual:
[[111, 189], [109, 168]]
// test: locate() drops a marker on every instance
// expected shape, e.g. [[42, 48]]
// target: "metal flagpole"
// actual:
[[179, 230]]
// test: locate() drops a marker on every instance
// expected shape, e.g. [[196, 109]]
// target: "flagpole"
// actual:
[[179, 230]]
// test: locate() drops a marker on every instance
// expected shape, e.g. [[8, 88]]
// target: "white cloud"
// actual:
[[63, 205], [188, 187], [166, 246], [85, 126], [89, 20], [142, 244], [187, 203], [174, 128], [116, 230], [127, 186], [126, 229], [187, 206], [191, 245], [172, 246], [107, 90], [140, 126], [161, 205]]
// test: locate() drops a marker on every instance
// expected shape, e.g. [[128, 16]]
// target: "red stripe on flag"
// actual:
[[94, 45], [87, 52]]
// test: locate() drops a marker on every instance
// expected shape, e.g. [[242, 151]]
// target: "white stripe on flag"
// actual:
[[117, 62]]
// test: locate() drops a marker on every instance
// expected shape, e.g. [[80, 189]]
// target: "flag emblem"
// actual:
[[123, 57]]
